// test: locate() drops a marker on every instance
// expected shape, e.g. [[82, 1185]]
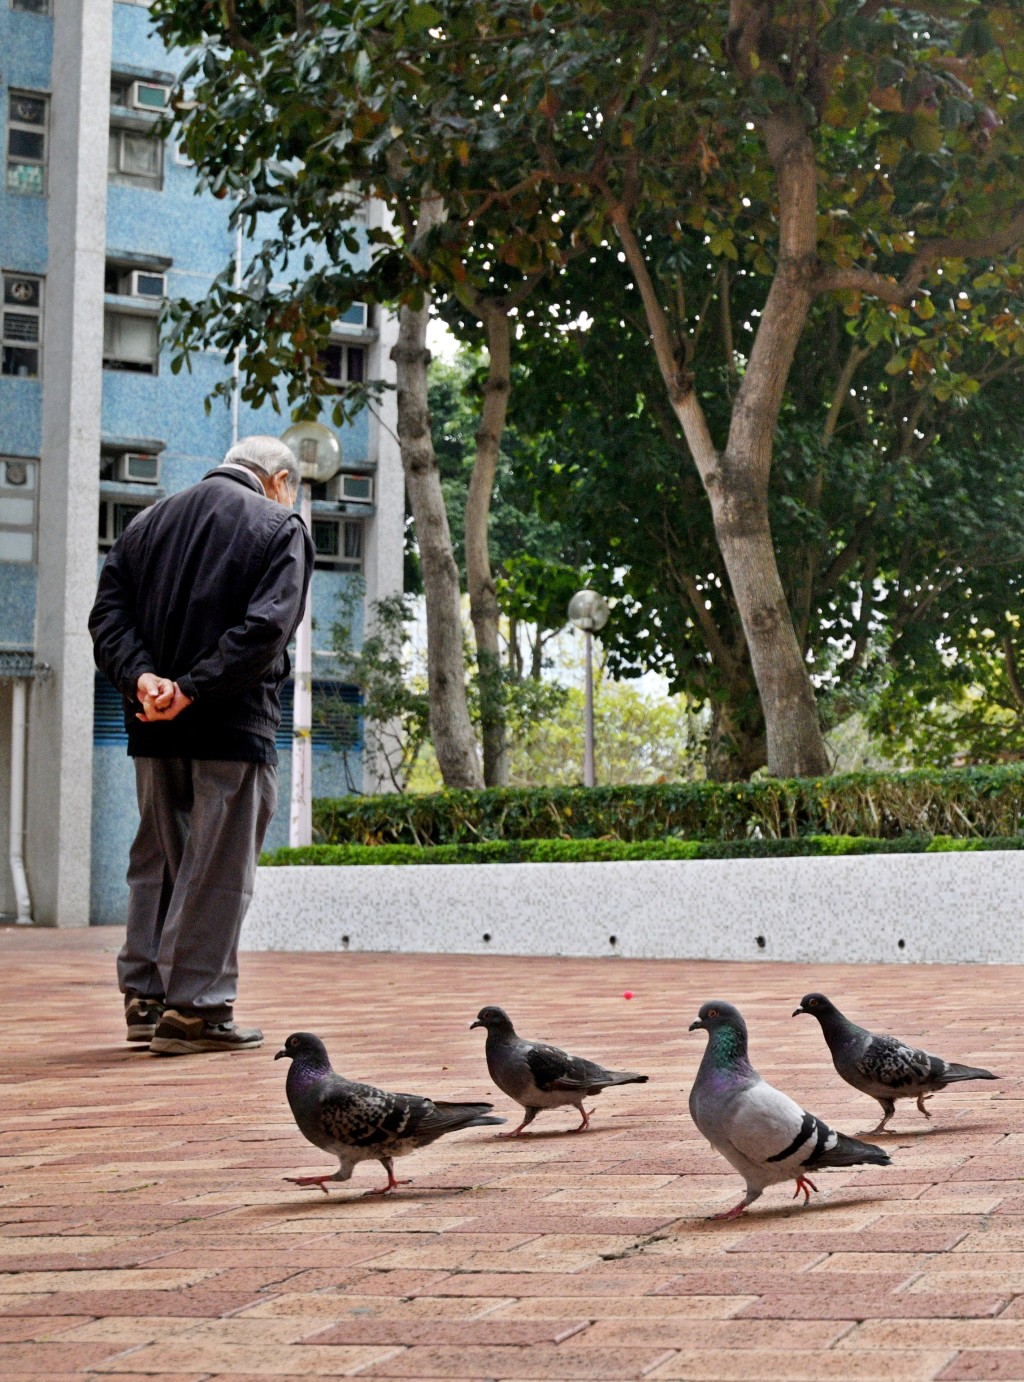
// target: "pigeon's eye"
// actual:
[[293, 1041], [712, 1012]]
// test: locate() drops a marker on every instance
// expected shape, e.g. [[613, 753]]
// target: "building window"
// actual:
[[131, 341], [343, 364], [338, 543], [135, 158], [19, 486], [31, 6], [26, 142], [22, 325], [115, 515]]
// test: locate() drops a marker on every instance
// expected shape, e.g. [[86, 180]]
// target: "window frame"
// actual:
[[119, 177], [346, 348], [340, 560], [7, 490], [16, 343], [107, 517], [15, 126]]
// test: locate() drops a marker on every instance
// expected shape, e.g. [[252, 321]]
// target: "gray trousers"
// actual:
[[190, 873]]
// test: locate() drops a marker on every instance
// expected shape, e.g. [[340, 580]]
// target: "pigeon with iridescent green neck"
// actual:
[[761, 1131], [883, 1066]]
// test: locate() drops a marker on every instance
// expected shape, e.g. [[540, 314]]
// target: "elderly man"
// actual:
[[196, 605]]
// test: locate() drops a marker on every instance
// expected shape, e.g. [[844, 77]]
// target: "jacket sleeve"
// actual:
[[246, 653], [120, 653]]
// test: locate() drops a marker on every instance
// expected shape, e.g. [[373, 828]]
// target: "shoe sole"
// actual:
[[179, 1046], [142, 1031]]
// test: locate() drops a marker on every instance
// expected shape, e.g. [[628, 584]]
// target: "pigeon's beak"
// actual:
[[694, 1025], [475, 1024], [280, 1054], [799, 1011]]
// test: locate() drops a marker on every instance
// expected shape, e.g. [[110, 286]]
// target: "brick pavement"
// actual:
[[146, 1231]]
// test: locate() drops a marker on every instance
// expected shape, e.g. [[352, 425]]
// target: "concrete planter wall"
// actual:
[[937, 908]]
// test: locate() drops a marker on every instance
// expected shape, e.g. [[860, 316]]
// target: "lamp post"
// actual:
[[318, 452], [588, 611]]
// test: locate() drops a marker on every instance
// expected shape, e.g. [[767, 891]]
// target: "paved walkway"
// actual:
[[146, 1232]]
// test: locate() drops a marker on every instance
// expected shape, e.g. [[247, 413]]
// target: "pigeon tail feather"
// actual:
[[850, 1151], [954, 1072]]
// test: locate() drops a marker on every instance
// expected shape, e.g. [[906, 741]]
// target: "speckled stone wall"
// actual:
[[919, 908]]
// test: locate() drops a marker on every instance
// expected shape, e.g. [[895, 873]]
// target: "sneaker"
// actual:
[[177, 1035], [143, 1016]]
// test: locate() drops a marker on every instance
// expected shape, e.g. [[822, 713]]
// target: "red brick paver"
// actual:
[[146, 1231]]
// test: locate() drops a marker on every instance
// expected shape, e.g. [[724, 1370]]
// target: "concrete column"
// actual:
[[60, 735]]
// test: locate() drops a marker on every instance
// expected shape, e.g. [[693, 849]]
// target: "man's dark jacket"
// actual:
[[207, 587]]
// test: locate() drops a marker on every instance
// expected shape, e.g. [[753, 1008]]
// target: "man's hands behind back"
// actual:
[[160, 698]]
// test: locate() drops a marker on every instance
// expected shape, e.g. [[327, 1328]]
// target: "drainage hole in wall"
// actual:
[[761, 942], [613, 940], [487, 935], [901, 943], [344, 942]]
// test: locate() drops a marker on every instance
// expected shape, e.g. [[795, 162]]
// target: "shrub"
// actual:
[[603, 851], [960, 803]]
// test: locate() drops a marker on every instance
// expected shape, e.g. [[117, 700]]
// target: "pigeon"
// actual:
[[358, 1122], [883, 1066], [540, 1076], [758, 1129]]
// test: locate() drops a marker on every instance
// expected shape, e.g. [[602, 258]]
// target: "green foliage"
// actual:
[[967, 803], [638, 738], [619, 851]]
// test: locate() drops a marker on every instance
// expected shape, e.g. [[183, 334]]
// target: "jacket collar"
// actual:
[[238, 473]]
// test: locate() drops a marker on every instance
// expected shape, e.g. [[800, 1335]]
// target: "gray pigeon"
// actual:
[[757, 1128], [539, 1076], [357, 1122], [883, 1066]]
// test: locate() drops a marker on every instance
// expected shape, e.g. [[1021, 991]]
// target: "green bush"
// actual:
[[962, 803], [602, 851]]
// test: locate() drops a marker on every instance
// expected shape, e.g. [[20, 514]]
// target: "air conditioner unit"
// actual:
[[355, 318], [139, 467], [350, 488], [151, 96], [143, 283]]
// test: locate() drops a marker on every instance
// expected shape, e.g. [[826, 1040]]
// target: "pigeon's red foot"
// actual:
[[391, 1185], [515, 1132], [733, 1213], [920, 1103], [802, 1183], [586, 1121], [310, 1180]]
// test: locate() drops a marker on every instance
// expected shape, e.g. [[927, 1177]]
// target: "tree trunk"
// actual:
[[736, 743], [450, 726], [736, 481], [483, 600]]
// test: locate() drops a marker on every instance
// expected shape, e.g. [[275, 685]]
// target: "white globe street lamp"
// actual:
[[589, 612], [318, 453]]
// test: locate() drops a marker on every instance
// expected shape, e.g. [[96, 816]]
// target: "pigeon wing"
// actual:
[[887, 1061], [767, 1127], [552, 1068], [360, 1115]]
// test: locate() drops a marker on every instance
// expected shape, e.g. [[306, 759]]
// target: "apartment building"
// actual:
[[99, 223]]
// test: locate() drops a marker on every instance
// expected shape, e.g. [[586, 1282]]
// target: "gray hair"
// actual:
[[265, 456]]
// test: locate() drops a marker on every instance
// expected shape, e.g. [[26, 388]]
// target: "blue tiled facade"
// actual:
[[191, 236]]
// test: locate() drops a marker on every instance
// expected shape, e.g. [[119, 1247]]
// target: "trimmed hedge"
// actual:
[[604, 851], [960, 803]]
